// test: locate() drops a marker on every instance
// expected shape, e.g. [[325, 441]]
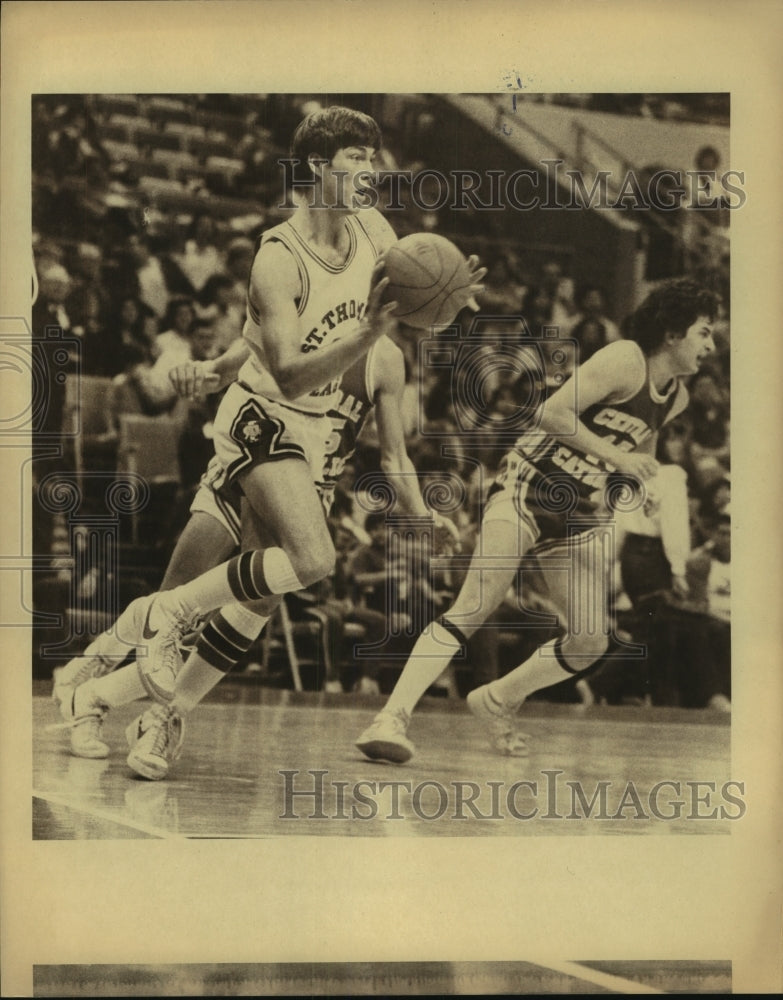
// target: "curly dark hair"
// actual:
[[325, 132], [670, 308]]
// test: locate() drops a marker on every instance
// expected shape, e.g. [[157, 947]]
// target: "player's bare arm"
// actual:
[[274, 289], [193, 379], [395, 461], [612, 374]]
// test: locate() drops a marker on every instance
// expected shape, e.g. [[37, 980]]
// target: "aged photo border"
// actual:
[[301, 900]]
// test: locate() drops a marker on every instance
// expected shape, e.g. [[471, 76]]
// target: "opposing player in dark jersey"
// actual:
[[551, 506]]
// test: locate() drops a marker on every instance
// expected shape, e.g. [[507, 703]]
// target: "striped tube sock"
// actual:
[[222, 643], [247, 577], [120, 687]]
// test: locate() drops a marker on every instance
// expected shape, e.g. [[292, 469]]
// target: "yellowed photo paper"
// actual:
[[388, 397]]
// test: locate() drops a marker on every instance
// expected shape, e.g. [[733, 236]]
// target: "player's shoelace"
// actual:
[[95, 666], [178, 628], [165, 734], [95, 717], [397, 721]]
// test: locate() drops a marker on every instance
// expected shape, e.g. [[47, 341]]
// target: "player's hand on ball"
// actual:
[[379, 317], [446, 540], [477, 275], [194, 379]]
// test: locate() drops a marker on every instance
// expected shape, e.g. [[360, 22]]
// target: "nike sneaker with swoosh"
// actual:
[[163, 631], [155, 741], [104, 654]]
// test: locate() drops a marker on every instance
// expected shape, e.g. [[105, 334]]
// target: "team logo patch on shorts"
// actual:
[[261, 437], [251, 431]]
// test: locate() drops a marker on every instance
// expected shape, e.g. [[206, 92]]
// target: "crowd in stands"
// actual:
[[145, 217]]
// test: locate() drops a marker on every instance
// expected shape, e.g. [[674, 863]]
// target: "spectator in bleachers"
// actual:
[[151, 280], [172, 347], [98, 352], [178, 324], [590, 325], [260, 175], [709, 426], [538, 308], [239, 262], [75, 145], [54, 286], [217, 307], [47, 253], [49, 317], [88, 285], [201, 257], [343, 620], [502, 293], [560, 291], [41, 137], [381, 584], [709, 504], [708, 573], [134, 334]]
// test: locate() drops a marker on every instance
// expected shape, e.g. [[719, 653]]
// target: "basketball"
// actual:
[[429, 279]]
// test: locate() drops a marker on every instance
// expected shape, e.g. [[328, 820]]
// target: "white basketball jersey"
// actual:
[[332, 304]]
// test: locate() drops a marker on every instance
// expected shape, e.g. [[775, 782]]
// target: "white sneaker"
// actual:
[[75, 672], [84, 714], [499, 722], [386, 738], [163, 661], [103, 654], [155, 741]]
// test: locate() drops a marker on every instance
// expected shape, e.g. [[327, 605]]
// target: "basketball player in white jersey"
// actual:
[[552, 502], [85, 688], [314, 307]]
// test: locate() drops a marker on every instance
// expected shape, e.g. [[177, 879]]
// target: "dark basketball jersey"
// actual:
[[556, 481], [355, 400]]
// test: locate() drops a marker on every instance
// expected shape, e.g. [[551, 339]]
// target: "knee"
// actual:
[[266, 606], [583, 651], [465, 625], [313, 564]]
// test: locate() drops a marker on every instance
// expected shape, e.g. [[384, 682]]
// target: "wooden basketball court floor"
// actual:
[[259, 762]]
